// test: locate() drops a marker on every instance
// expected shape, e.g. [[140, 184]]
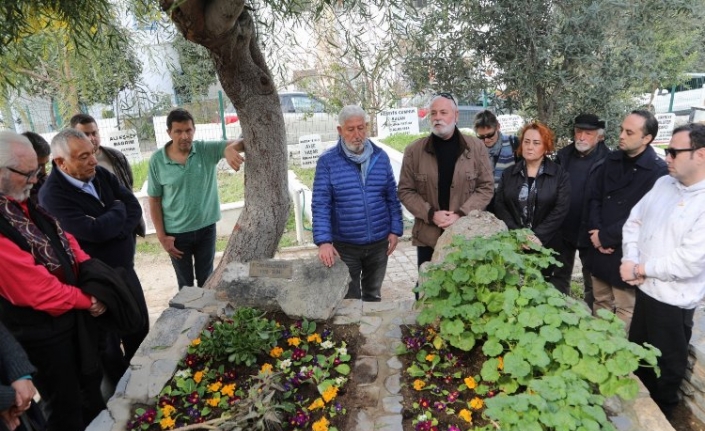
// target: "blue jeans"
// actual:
[[367, 265], [198, 247]]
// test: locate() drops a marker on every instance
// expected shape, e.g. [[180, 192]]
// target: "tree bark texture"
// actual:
[[227, 30]]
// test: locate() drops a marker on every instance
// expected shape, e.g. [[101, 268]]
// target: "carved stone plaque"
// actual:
[[271, 269]]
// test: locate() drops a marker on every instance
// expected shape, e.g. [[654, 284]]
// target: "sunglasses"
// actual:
[[673, 152], [447, 96], [27, 175], [487, 136]]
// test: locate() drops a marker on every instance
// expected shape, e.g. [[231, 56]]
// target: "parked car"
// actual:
[[305, 115]]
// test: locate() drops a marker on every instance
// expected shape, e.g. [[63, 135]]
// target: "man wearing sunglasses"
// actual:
[[443, 177], [580, 159], [665, 258], [625, 176], [502, 148]]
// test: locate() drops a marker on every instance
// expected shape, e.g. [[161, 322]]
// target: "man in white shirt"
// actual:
[[665, 258]]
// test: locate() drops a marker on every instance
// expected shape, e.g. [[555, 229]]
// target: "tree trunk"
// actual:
[[227, 30]]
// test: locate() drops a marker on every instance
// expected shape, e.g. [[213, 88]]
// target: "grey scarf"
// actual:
[[362, 159]]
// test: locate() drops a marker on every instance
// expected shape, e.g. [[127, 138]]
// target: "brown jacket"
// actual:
[[471, 189]]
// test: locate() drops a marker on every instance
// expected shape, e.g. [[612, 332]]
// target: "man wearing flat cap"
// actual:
[[580, 159]]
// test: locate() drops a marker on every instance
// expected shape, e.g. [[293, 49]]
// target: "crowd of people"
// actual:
[[72, 309]]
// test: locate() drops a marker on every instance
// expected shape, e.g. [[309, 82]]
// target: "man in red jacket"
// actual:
[[39, 300]]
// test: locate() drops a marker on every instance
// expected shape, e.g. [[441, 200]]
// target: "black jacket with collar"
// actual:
[[552, 200], [103, 227], [613, 194]]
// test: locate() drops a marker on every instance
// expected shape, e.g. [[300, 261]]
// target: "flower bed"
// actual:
[[542, 362], [251, 372]]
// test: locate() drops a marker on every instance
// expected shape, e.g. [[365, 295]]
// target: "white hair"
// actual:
[[9, 141], [60, 142], [351, 111]]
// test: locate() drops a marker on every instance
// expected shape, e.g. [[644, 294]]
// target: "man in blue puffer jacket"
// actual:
[[356, 211]]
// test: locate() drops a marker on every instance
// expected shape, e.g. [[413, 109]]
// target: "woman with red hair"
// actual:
[[535, 192]]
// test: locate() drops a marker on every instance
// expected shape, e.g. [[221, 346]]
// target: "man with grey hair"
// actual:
[[580, 159], [92, 205], [39, 301], [356, 212], [443, 177]]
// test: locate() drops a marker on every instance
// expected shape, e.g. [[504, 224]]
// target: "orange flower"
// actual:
[[419, 384], [276, 352], [470, 383], [314, 338], [266, 368], [317, 404], [168, 409], [228, 390], [198, 376], [196, 342], [213, 402], [430, 357], [500, 366], [214, 387], [330, 393], [476, 403], [465, 415], [167, 423], [321, 424], [294, 341]]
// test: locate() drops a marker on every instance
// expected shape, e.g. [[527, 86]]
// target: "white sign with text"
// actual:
[[510, 124], [666, 124], [393, 121], [310, 150], [125, 141]]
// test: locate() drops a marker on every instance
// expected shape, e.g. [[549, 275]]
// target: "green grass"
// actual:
[[401, 141], [231, 187], [304, 175], [139, 174]]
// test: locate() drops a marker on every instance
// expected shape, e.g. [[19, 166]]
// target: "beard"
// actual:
[[20, 195], [442, 130], [356, 147], [583, 147]]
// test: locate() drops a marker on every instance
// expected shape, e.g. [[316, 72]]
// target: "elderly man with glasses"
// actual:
[[665, 258], [443, 177], [39, 301]]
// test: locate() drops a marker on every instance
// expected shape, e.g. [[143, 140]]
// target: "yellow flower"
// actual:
[[500, 366], [317, 404], [430, 357], [470, 383], [168, 409], [228, 390], [419, 384], [266, 368], [476, 403], [314, 338], [294, 341], [431, 331], [214, 387], [198, 376], [321, 424], [196, 342], [167, 423], [213, 402], [330, 393], [276, 352], [465, 415]]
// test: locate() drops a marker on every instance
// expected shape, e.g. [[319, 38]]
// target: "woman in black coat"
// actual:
[[535, 192]]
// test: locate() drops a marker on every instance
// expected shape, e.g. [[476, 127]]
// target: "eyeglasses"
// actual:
[[487, 135], [27, 175], [447, 96], [673, 152]]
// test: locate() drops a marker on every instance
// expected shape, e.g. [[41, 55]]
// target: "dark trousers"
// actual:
[[668, 328], [70, 401], [423, 255], [367, 265], [561, 277], [198, 247]]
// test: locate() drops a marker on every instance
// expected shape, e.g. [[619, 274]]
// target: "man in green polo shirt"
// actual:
[[183, 196]]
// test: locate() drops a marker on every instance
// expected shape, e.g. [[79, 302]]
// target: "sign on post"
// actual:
[[666, 124], [510, 124], [310, 150], [392, 121], [125, 141]]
